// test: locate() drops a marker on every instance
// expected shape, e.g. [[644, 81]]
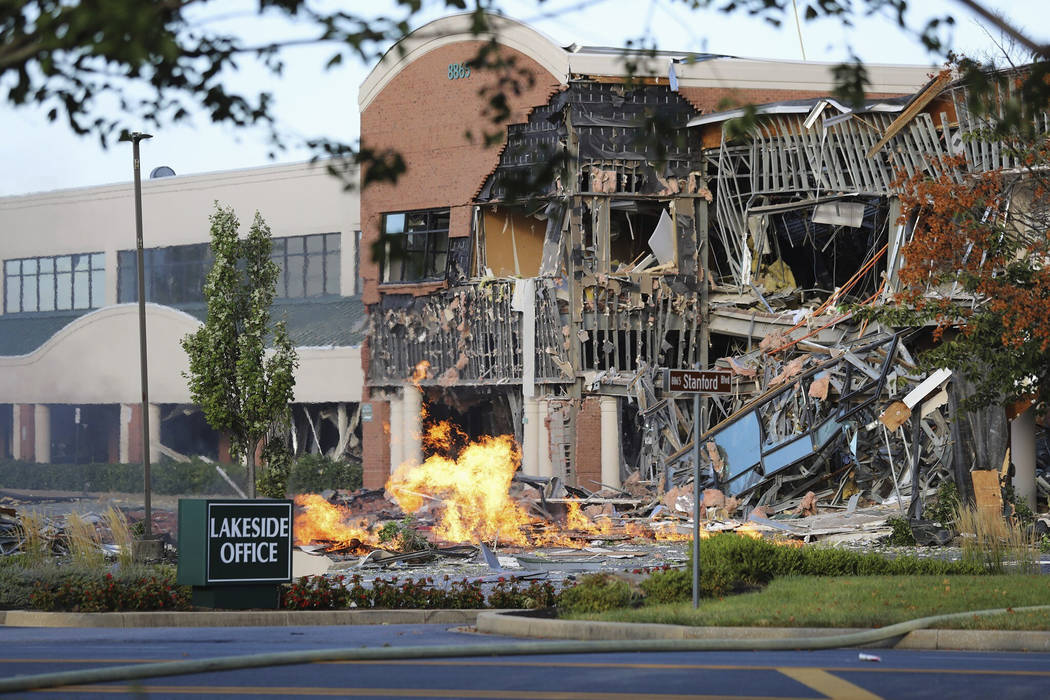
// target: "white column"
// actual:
[[125, 434], [397, 432], [42, 433], [610, 422], [16, 431], [154, 433], [546, 466], [529, 436], [413, 425], [1022, 454]]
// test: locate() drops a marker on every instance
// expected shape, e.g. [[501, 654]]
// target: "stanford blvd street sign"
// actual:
[[698, 381]]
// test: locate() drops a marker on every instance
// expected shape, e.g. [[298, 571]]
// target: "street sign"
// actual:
[[698, 381]]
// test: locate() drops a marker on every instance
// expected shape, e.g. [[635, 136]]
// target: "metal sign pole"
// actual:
[[696, 501]]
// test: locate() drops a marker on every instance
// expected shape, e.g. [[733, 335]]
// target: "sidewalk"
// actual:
[[507, 623]]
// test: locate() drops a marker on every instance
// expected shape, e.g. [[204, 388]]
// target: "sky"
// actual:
[[311, 102]]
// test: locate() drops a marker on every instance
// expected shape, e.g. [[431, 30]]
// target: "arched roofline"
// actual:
[[71, 329], [457, 28]]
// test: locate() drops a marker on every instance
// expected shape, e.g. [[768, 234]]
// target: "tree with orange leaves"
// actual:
[[978, 267]]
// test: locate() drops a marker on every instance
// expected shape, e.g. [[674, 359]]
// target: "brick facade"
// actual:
[[425, 116], [589, 444], [375, 435]]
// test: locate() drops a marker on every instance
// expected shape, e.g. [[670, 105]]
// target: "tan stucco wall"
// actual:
[[293, 199], [95, 359]]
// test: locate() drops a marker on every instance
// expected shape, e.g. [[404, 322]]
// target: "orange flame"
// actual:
[[321, 521]]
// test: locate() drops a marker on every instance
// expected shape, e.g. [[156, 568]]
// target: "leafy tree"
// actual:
[[162, 61], [244, 391], [986, 235]]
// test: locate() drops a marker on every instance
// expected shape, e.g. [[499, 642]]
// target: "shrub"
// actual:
[[670, 586], [510, 595], [944, 506], [168, 477], [316, 593], [902, 536], [403, 536], [79, 590], [595, 593], [316, 473]]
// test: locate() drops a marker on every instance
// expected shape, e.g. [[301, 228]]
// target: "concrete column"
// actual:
[[610, 412], [1022, 454], [397, 432], [42, 433], [546, 466], [412, 419], [17, 431], [124, 451], [154, 433], [530, 437]]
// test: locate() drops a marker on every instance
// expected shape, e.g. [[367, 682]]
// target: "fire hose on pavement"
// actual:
[[112, 674]]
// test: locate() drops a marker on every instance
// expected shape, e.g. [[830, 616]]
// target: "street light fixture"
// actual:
[[135, 137]]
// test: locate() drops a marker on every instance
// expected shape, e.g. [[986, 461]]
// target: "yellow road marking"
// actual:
[[832, 686], [495, 693], [581, 664]]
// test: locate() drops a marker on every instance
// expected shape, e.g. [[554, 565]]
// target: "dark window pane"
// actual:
[[98, 288], [331, 273], [28, 292], [440, 221], [314, 244], [127, 283], [417, 222], [64, 291], [296, 275], [277, 246], [314, 275], [47, 292], [295, 245], [437, 265], [81, 290], [332, 241], [12, 296]]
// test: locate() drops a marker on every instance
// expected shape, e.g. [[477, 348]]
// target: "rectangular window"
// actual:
[[55, 283], [416, 246], [174, 274], [309, 265]]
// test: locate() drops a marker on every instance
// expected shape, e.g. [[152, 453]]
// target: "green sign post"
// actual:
[[235, 553]]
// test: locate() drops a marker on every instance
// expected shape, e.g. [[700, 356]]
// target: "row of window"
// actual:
[[55, 283], [309, 267], [416, 249]]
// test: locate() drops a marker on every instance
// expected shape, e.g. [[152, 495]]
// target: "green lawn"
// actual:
[[860, 601]]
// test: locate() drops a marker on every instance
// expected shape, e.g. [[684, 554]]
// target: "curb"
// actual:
[[246, 618], [508, 624]]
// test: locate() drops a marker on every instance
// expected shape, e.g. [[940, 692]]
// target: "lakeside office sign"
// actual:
[[249, 541]]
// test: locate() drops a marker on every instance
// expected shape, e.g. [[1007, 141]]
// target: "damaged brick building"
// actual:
[[547, 306]]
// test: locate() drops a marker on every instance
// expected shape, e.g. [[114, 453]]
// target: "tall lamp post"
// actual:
[[135, 137]]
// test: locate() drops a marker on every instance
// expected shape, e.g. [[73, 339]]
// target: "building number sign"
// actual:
[[458, 70]]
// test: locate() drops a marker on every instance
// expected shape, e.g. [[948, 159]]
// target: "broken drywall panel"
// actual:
[[662, 241]]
